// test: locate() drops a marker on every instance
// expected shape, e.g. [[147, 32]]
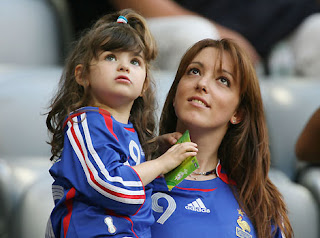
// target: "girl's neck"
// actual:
[[119, 114]]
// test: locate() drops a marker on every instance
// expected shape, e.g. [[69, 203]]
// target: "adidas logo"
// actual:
[[197, 206]]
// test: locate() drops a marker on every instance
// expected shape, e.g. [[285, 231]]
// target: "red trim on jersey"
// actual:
[[130, 129], [128, 219], [112, 213], [94, 180], [69, 204], [70, 118], [143, 190], [108, 120], [196, 189], [224, 176]]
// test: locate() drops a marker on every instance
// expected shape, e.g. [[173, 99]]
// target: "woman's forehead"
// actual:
[[212, 56]]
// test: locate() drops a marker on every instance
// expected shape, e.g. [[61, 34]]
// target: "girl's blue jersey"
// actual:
[[96, 191], [199, 209]]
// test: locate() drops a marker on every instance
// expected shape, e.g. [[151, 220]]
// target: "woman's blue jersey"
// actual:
[[199, 209]]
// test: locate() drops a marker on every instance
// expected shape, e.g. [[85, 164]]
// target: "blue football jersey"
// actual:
[[199, 209], [96, 191]]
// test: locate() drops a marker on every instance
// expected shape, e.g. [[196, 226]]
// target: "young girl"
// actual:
[[103, 109], [216, 96]]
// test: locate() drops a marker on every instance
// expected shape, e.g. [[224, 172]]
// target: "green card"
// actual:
[[175, 176]]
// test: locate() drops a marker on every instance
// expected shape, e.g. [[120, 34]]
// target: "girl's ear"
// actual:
[[237, 117], [145, 86], [78, 74]]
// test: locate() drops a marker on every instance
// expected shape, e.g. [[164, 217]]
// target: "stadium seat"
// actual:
[[288, 102], [29, 33]]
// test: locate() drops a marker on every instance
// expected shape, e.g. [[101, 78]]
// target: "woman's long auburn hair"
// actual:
[[244, 151], [105, 35]]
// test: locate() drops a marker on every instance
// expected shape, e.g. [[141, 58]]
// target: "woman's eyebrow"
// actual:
[[227, 72], [196, 62]]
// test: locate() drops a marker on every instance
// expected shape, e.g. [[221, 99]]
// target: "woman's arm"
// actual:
[[308, 143]]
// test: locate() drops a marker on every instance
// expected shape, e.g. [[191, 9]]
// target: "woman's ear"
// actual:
[[237, 117], [78, 74]]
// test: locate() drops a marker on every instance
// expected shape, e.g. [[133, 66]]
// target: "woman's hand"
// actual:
[[167, 140]]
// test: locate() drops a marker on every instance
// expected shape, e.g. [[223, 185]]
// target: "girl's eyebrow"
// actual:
[[138, 54]]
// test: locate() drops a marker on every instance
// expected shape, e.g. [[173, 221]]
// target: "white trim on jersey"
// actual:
[[98, 161], [130, 196], [49, 230], [57, 192]]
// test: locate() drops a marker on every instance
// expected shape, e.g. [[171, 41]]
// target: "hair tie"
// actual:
[[122, 19]]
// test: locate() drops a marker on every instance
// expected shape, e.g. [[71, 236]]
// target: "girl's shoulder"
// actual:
[[85, 113], [89, 112]]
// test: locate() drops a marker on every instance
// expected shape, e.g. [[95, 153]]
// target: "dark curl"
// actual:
[[105, 35]]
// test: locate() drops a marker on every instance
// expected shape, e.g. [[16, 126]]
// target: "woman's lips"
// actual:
[[199, 101]]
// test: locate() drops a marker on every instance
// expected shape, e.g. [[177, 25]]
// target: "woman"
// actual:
[[216, 96]]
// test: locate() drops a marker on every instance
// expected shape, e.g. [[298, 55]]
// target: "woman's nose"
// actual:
[[202, 85]]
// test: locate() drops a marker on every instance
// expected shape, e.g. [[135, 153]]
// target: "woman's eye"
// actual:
[[194, 71], [135, 62], [225, 81], [111, 57]]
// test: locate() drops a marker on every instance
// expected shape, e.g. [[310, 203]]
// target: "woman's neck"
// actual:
[[208, 142]]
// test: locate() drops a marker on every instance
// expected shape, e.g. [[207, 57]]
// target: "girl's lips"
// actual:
[[123, 78], [199, 100]]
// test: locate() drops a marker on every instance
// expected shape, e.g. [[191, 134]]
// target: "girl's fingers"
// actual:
[[186, 146]]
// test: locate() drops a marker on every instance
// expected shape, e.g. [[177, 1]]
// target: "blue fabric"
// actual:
[[96, 191], [199, 209]]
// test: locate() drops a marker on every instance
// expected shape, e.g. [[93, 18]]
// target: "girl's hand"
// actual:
[[167, 140], [176, 154]]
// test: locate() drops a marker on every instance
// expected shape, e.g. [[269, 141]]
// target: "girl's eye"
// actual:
[[194, 71], [136, 62], [224, 81], [111, 57]]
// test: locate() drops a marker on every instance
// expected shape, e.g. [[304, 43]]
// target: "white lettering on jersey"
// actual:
[[170, 209], [197, 206], [133, 145]]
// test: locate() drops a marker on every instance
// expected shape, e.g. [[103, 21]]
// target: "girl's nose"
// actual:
[[123, 66]]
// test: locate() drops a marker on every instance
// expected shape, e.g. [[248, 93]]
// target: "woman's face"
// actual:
[[207, 97]]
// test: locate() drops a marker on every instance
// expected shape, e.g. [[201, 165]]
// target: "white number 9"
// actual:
[[170, 209], [133, 145]]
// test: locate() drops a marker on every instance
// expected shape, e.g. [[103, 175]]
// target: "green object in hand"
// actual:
[[175, 176]]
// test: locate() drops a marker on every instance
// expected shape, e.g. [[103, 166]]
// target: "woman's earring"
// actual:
[[234, 121]]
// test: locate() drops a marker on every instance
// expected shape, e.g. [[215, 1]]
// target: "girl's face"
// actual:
[[116, 79], [205, 97]]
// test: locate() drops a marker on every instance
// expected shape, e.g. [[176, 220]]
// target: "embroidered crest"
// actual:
[[244, 229]]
